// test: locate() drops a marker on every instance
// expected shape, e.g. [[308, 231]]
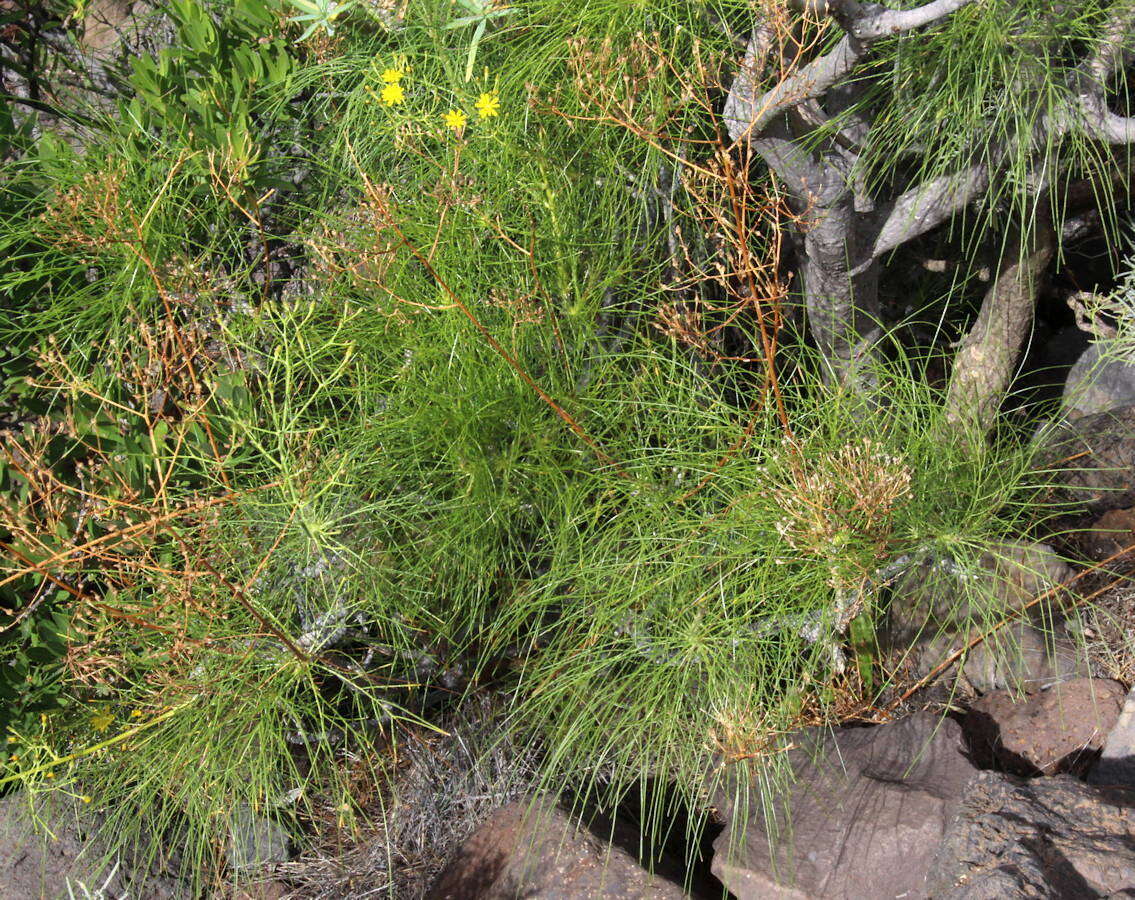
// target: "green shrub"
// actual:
[[203, 92], [515, 423]]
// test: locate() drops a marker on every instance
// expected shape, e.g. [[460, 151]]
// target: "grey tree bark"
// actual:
[[986, 362], [845, 231]]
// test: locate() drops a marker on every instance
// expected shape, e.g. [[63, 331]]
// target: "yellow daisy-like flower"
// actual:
[[392, 94], [456, 119], [393, 76], [488, 105], [135, 713]]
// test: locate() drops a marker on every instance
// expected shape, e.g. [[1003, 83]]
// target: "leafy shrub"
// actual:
[[202, 92]]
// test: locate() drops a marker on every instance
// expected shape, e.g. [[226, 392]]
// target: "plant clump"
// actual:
[[377, 360]]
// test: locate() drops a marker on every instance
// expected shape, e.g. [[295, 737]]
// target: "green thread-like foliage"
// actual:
[[456, 447]]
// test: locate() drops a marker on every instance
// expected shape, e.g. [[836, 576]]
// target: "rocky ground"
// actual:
[[1021, 797]]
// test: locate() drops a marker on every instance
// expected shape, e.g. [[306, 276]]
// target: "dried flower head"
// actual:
[[832, 501]]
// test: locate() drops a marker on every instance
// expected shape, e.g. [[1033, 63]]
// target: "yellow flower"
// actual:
[[393, 94], [101, 722], [49, 774], [456, 119], [12, 739], [488, 105], [85, 798], [135, 713], [393, 76]]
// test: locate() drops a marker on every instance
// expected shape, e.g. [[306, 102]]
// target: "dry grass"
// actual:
[[444, 786], [1109, 633]]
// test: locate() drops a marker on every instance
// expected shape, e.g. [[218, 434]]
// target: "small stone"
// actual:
[[532, 849], [256, 841], [1116, 764], [1050, 732]]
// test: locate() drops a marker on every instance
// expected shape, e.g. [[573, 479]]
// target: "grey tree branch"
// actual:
[[868, 21], [801, 173], [1099, 122], [747, 115], [851, 136], [738, 105], [845, 12], [1109, 50], [883, 21], [928, 205], [986, 362], [844, 234], [1089, 111]]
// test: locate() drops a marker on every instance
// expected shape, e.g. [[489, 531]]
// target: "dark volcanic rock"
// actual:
[[938, 606], [1111, 537], [863, 819], [1093, 459], [1054, 731], [1046, 837], [1097, 383], [536, 851]]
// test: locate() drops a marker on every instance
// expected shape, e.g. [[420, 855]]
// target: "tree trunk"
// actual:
[[987, 360], [842, 303]]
